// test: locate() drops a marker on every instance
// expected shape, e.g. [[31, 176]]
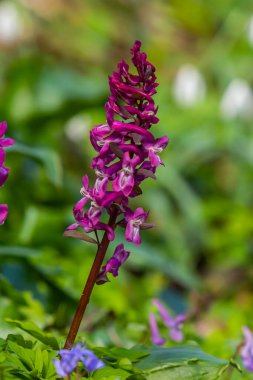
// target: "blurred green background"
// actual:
[[55, 59]]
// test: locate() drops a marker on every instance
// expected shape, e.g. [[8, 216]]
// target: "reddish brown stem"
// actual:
[[85, 297]]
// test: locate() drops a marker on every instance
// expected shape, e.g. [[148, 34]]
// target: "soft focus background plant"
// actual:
[[55, 58]]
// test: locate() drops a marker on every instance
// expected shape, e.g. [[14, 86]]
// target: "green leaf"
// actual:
[[36, 332], [19, 339], [48, 371], [38, 360], [79, 235], [116, 353], [136, 377], [108, 373], [2, 357], [131, 354], [125, 363], [14, 362], [182, 362], [25, 355]]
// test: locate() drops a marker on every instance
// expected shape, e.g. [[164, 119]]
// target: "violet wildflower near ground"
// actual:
[[247, 349], [70, 359], [4, 171], [154, 330], [174, 325], [127, 154]]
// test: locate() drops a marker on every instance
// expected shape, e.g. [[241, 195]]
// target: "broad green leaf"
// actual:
[[36, 332], [182, 362], [117, 353], [132, 354]]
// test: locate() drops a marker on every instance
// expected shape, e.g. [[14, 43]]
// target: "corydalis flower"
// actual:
[[247, 349], [135, 220], [127, 153], [155, 335], [113, 264], [71, 358], [3, 212], [125, 179], [174, 325], [4, 171]]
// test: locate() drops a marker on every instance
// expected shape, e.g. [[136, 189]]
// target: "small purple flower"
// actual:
[[113, 264], [4, 173], [247, 349], [174, 324], [125, 180], [86, 193], [4, 142], [70, 359], [91, 361], [134, 221], [156, 148], [3, 213], [97, 135], [155, 335]]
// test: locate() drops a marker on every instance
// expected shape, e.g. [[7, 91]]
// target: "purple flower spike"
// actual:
[[3, 213], [174, 324], [113, 264], [134, 222], [127, 153], [247, 349], [155, 335], [71, 358]]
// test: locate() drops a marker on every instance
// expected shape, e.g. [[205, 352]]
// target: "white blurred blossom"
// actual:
[[237, 100], [10, 22], [77, 128], [250, 31], [189, 86]]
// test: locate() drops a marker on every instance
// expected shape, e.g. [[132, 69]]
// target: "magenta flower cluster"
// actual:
[[70, 359], [174, 325], [127, 154], [4, 171]]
